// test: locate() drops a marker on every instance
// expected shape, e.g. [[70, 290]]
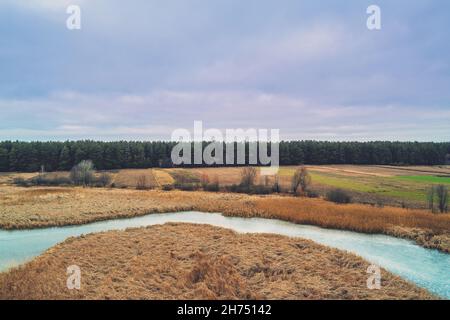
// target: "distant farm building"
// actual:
[[447, 159]]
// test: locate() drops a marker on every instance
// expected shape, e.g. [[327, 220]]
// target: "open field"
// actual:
[[428, 179], [210, 263], [386, 171], [377, 185], [405, 186], [43, 206]]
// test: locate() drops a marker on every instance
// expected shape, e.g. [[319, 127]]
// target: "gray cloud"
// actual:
[[143, 68], [155, 115]]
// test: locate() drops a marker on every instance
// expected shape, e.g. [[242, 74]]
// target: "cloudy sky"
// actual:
[[139, 69]]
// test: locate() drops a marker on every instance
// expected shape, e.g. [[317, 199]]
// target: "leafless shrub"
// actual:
[[338, 196], [266, 181], [442, 195], [438, 196], [204, 180], [276, 185], [83, 173], [21, 182], [430, 198], [213, 186], [142, 183], [248, 176], [104, 179], [300, 180]]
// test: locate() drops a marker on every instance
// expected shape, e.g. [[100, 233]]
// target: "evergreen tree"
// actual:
[[29, 156], [65, 159], [4, 160]]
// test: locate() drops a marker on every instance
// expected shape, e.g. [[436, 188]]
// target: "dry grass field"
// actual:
[[377, 185], [210, 263], [214, 263], [130, 178], [43, 207]]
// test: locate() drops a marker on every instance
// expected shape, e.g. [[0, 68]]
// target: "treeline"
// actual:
[[30, 156]]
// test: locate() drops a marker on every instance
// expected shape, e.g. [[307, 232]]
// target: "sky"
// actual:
[[139, 69]]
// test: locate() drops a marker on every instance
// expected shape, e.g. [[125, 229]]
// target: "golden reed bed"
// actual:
[[185, 261], [44, 207]]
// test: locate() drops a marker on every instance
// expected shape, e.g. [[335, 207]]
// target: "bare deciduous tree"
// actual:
[[83, 173], [276, 185], [104, 179], [248, 176], [430, 198], [442, 195], [439, 195], [141, 182], [300, 180]]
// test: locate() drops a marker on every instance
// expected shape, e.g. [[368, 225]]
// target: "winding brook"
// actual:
[[426, 268]]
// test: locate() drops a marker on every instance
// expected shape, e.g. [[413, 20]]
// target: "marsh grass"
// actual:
[[68, 206], [185, 261]]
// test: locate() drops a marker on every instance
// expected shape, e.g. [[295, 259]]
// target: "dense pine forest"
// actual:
[[31, 156]]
